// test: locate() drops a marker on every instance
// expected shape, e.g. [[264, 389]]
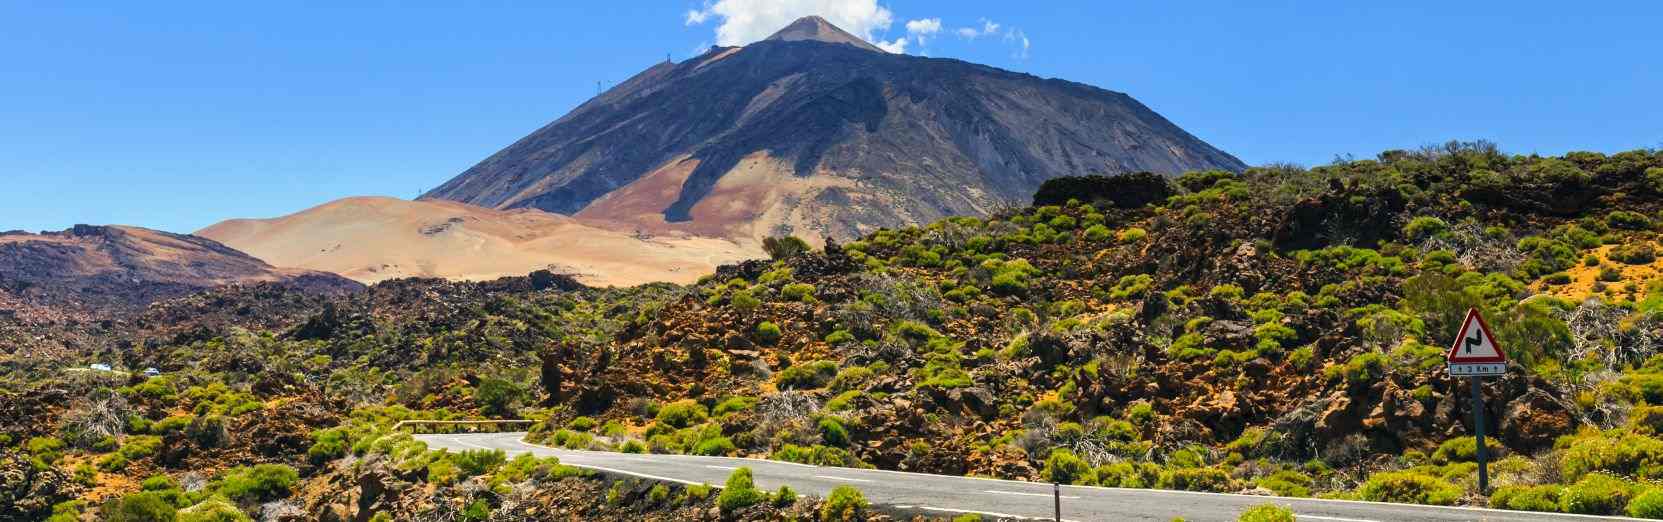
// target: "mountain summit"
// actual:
[[810, 133], [816, 29]]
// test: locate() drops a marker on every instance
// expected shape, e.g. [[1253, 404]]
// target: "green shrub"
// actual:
[[851, 378], [798, 292], [1140, 413], [1424, 227], [140, 446], [260, 483], [213, 510], [735, 404], [839, 337], [1648, 504], [478, 462], [1097, 233], [145, 506], [1266, 513], [1459, 449], [633, 446], [682, 413], [47, 449], [768, 332], [1628, 454], [498, 397], [1526, 498], [1064, 467], [581, 424], [1131, 235], [845, 503], [833, 432], [479, 510], [743, 301], [809, 375], [1596, 494], [1365, 368], [327, 444], [1634, 254], [1287, 483], [658, 494], [1627, 220], [1409, 487], [739, 492], [1195, 479], [714, 447], [785, 497]]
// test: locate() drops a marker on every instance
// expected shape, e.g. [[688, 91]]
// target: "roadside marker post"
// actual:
[[1475, 354], [1056, 497]]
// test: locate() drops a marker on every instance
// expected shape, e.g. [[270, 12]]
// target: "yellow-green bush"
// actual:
[[1409, 487]]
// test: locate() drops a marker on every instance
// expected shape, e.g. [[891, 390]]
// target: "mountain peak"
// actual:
[[817, 29]]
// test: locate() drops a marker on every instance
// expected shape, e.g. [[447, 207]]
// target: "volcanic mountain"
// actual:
[[818, 133], [112, 268]]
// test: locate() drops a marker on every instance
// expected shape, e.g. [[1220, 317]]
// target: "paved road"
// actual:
[[950, 496]]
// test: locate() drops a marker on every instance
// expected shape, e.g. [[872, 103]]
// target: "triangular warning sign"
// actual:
[[1475, 344]]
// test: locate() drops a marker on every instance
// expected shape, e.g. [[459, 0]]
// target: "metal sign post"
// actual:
[[1056, 497], [1476, 355]]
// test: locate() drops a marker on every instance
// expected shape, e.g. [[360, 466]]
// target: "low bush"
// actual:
[[1596, 494], [768, 333], [682, 413], [1409, 487], [1648, 504], [809, 375], [260, 483], [1526, 498], [213, 510], [833, 432], [1064, 467], [845, 503], [1266, 513], [1195, 479], [1634, 254], [144, 506], [739, 493]]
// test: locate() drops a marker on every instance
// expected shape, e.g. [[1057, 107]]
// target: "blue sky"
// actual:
[[180, 114]]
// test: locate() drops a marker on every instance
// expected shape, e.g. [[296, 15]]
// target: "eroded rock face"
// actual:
[[1533, 421], [1359, 214], [28, 494]]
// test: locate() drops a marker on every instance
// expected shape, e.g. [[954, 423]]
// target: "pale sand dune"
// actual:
[[371, 239]]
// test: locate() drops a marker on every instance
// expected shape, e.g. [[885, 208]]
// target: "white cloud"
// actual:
[[898, 46], [927, 26], [989, 27], [696, 17], [1020, 38], [921, 30], [746, 21]]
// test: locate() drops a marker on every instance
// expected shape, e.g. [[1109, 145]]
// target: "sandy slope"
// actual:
[[371, 239]]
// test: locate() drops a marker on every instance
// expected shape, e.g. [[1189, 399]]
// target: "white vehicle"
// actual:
[[102, 367], [151, 372]]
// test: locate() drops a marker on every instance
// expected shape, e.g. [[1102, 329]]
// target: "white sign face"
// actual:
[[1477, 369]]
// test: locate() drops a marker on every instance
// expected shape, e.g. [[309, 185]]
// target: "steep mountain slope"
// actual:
[[373, 239], [104, 268], [817, 133]]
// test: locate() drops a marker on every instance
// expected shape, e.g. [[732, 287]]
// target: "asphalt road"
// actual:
[[994, 499]]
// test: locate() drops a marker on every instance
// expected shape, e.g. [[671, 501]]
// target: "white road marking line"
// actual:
[[1339, 519], [829, 477], [720, 467], [466, 443], [988, 513], [1026, 494]]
